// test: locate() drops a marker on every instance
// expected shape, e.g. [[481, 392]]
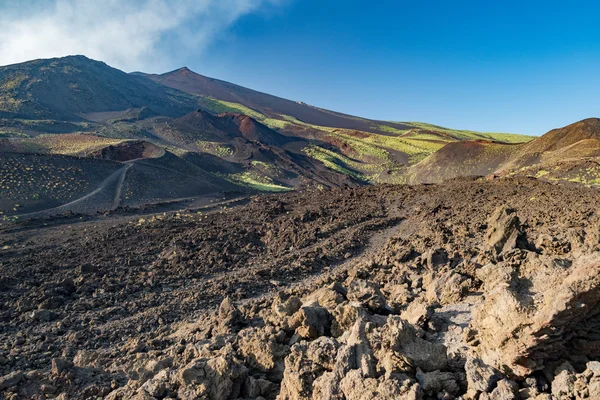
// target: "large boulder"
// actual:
[[541, 310]]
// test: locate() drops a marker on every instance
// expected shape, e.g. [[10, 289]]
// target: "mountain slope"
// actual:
[[554, 140], [68, 88], [181, 135], [227, 126], [467, 158], [272, 106], [376, 151], [568, 154]]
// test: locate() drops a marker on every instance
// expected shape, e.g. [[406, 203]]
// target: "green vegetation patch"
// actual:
[[215, 148], [256, 181], [220, 106]]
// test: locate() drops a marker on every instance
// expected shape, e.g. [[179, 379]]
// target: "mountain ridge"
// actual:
[[247, 140]]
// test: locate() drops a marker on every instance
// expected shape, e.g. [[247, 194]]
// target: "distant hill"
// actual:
[[555, 140], [568, 154], [466, 158], [188, 81], [68, 88]]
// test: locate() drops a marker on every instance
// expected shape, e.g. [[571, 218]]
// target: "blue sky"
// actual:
[[522, 67], [514, 66]]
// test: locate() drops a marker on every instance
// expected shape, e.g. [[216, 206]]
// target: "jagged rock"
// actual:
[[356, 387], [357, 353], [552, 244], [503, 230], [326, 297], [259, 387], [230, 317], [345, 316], [530, 314], [505, 390], [402, 350], [368, 294], [435, 258], [350, 375], [217, 378], [446, 288], [311, 322], [398, 295], [568, 384], [11, 380], [158, 385], [136, 345], [143, 369], [59, 365], [435, 382], [286, 308], [418, 313], [85, 359], [305, 363], [480, 377], [563, 385], [263, 349]]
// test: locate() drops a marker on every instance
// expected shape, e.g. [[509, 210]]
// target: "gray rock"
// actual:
[[563, 385], [59, 365], [43, 315], [480, 377], [11, 380], [436, 382]]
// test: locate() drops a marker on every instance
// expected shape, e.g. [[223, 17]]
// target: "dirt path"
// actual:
[[104, 197], [119, 192]]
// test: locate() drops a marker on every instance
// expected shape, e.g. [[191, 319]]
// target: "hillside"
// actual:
[[373, 150], [228, 126], [467, 158], [188, 81], [71, 87], [155, 127], [570, 154]]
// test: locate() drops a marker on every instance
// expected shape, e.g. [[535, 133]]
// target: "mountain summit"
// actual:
[[67, 88]]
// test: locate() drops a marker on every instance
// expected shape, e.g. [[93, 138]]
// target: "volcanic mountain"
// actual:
[[68, 88], [188, 81], [78, 135]]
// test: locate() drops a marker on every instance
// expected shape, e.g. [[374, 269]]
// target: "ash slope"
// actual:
[[568, 154], [378, 292], [188, 81], [68, 88]]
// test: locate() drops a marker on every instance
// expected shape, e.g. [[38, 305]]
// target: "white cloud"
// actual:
[[127, 34]]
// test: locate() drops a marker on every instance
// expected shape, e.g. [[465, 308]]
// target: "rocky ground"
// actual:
[[468, 289]]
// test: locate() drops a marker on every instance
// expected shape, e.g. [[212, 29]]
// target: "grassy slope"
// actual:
[[369, 156]]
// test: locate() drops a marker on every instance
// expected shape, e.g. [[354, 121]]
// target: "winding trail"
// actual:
[[106, 196]]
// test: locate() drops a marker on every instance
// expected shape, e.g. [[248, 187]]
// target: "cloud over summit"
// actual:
[[126, 34]]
